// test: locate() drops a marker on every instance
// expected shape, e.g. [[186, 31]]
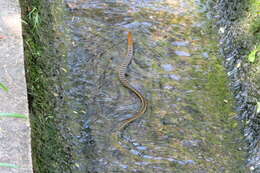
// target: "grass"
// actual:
[[8, 165], [34, 17], [5, 88], [14, 115]]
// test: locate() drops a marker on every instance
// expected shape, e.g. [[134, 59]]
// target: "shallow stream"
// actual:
[[190, 123]]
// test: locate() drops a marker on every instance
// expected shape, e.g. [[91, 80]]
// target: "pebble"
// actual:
[[181, 53], [180, 43], [175, 77], [167, 67], [205, 54]]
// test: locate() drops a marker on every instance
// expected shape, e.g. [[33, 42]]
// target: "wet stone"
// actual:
[[191, 143], [141, 148], [205, 54], [168, 87], [180, 43], [181, 53], [175, 77], [167, 67]]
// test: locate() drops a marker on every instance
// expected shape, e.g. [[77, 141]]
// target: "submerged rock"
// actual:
[[182, 53]]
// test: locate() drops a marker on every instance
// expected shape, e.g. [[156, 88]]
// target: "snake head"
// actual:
[[130, 38]]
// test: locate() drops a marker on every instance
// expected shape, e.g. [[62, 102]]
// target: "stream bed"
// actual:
[[190, 123]]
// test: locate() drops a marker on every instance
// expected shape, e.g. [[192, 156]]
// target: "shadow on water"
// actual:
[[189, 125]]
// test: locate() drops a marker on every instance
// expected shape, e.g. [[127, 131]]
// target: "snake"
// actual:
[[144, 103], [122, 78]]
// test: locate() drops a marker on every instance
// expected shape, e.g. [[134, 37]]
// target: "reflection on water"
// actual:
[[189, 124]]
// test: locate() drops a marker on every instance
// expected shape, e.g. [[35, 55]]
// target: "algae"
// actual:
[[238, 25]]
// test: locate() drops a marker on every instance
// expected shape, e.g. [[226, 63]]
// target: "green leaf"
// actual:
[[252, 56], [4, 87], [15, 115], [8, 165], [258, 107]]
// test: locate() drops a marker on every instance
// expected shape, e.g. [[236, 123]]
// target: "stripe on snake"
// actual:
[[125, 83]]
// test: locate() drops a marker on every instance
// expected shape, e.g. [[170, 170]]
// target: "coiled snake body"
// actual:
[[126, 84]]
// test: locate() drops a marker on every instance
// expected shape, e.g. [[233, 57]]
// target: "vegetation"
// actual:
[[5, 88], [254, 29], [8, 165], [47, 144], [253, 55], [254, 13], [15, 115]]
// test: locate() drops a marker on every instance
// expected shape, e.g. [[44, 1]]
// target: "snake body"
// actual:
[[126, 84]]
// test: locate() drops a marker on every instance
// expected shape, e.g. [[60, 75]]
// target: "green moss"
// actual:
[[48, 150], [253, 34], [255, 27], [254, 19], [213, 102]]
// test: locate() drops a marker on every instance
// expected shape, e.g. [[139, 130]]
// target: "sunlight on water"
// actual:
[[189, 124]]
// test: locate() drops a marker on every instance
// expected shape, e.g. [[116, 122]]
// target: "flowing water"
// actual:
[[189, 125]]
